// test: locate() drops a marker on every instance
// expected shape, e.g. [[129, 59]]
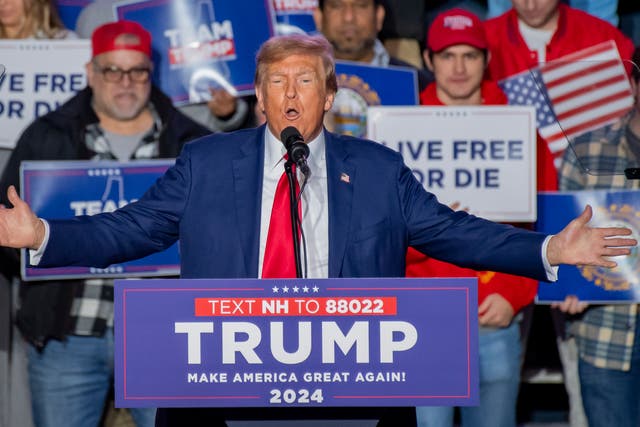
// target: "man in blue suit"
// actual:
[[361, 207]]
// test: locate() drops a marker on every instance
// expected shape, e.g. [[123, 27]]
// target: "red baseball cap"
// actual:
[[456, 26], [121, 35]]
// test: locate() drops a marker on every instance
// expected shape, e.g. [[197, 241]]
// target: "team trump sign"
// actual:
[[293, 342]]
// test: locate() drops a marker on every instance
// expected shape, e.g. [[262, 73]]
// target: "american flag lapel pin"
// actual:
[[345, 178]]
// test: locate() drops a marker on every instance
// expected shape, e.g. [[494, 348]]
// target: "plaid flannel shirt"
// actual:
[[604, 333], [92, 307]]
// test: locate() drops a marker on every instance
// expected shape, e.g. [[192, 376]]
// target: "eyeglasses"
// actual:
[[113, 74]]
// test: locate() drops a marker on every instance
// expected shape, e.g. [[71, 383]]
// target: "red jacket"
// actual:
[[577, 30], [519, 291]]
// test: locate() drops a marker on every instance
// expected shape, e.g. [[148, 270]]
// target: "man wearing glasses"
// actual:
[[69, 325]]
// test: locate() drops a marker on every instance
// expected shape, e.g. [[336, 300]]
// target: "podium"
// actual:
[[350, 347]]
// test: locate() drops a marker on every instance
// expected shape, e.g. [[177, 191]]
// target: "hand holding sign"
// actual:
[[571, 305], [222, 103]]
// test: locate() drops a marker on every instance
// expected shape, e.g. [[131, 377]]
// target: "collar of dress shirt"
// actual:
[[274, 151]]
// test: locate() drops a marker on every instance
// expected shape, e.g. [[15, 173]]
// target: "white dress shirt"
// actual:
[[315, 208]]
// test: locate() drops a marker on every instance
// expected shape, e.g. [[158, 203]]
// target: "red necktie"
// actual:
[[279, 261]]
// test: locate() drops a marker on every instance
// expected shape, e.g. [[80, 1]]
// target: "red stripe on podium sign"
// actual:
[[295, 306]]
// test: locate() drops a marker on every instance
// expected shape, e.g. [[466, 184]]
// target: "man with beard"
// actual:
[[352, 27]]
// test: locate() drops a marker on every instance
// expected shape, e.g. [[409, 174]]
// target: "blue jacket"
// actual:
[[211, 201]]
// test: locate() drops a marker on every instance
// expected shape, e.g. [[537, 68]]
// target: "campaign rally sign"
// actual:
[[483, 157], [361, 86], [296, 342], [66, 189], [202, 44], [40, 75], [295, 16], [590, 283]]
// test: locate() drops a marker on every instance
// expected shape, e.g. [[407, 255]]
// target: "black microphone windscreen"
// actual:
[[289, 135]]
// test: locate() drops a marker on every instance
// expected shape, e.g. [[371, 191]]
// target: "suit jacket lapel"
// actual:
[[341, 178], [247, 177]]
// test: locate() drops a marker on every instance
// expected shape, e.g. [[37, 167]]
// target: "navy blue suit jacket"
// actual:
[[211, 201]]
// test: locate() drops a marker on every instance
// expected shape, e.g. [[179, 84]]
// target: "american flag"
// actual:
[[574, 94]]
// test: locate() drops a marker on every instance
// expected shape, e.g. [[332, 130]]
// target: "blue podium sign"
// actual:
[[296, 342], [589, 283], [71, 188]]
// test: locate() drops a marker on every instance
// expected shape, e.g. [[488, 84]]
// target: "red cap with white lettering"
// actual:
[[456, 26], [120, 35]]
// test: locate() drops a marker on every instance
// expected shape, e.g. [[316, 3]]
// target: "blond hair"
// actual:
[[41, 20], [280, 47]]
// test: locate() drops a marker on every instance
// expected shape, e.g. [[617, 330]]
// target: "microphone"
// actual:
[[297, 150]]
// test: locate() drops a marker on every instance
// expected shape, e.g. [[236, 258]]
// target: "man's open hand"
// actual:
[[580, 244], [19, 226]]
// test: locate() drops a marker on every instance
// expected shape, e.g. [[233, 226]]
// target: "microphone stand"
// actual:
[[293, 208]]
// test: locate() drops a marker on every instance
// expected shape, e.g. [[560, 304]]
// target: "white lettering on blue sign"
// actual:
[[244, 339]]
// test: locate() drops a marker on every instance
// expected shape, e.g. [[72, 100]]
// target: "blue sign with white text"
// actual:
[[71, 188], [202, 44], [296, 342], [589, 283]]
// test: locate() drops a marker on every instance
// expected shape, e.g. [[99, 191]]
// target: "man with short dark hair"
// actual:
[[352, 28], [69, 324], [530, 34], [457, 54]]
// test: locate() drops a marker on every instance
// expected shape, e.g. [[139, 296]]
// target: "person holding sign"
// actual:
[[68, 324], [361, 209], [29, 19], [535, 33], [222, 112], [457, 55], [607, 336]]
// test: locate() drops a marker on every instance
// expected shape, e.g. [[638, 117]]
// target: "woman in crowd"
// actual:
[[31, 19]]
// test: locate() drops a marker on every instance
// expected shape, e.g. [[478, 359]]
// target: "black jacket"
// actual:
[[45, 306]]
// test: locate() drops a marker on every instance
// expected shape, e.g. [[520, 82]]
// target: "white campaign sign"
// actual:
[[40, 75], [483, 157]]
